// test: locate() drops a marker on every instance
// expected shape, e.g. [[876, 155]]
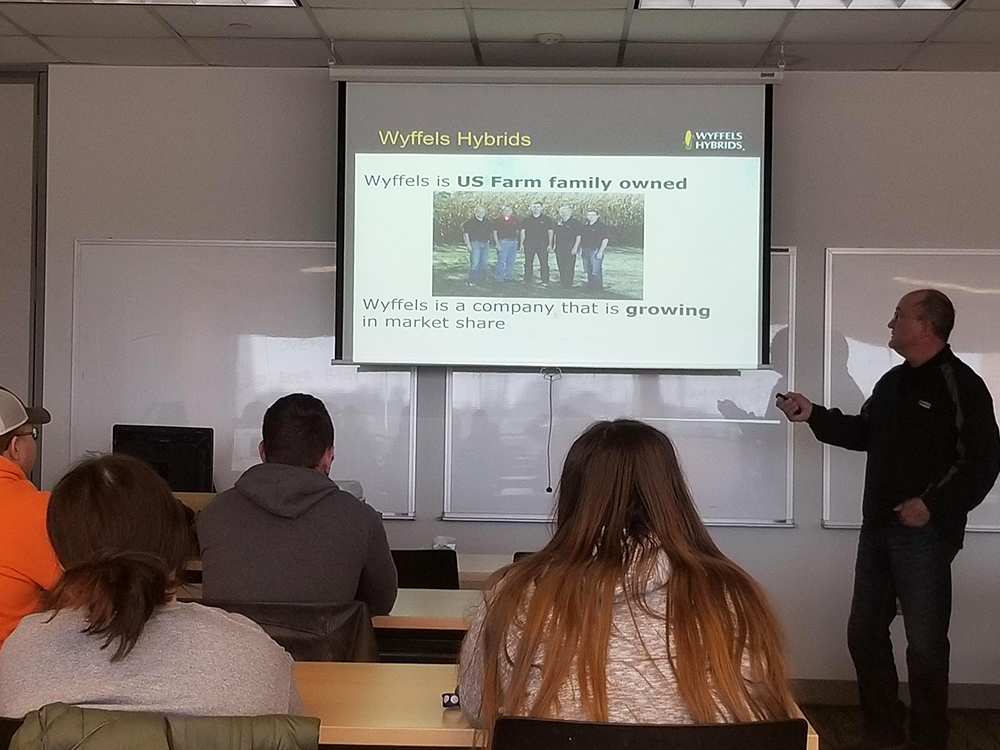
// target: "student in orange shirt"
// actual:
[[28, 565]]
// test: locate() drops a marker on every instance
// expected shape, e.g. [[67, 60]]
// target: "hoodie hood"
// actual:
[[282, 490]]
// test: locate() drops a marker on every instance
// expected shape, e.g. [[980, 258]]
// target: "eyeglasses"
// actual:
[[34, 433]]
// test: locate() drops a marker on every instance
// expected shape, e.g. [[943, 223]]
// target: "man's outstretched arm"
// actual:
[[828, 425]]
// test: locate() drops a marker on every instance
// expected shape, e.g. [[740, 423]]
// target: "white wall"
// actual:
[[17, 159], [176, 153], [880, 159]]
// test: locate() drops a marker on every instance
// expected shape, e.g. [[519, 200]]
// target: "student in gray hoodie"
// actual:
[[286, 532]]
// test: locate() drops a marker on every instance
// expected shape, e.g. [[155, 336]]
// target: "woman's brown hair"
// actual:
[[122, 539], [623, 503]]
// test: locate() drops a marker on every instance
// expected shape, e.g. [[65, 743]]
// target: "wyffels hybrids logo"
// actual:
[[713, 141]]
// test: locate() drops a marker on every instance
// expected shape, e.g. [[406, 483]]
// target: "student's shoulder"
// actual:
[[35, 631], [216, 623], [224, 502], [343, 504]]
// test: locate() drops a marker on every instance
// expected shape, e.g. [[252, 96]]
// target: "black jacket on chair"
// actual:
[[313, 632]]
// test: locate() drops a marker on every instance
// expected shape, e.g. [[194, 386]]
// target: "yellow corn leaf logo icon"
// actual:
[[687, 140]]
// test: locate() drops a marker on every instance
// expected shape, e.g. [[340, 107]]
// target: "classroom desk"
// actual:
[[474, 570], [196, 501], [431, 609], [391, 704], [415, 609], [383, 704]]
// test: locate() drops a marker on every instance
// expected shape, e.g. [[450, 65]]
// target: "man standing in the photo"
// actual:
[[567, 245], [505, 235], [536, 239], [476, 233], [933, 446], [594, 237]]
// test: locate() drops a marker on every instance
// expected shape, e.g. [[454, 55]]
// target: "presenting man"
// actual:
[[28, 564], [536, 240], [286, 532], [505, 234], [567, 245], [594, 237], [933, 454], [476, 235]]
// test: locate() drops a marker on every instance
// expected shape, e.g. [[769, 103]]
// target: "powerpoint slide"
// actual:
[[465, 259], [561, 245]]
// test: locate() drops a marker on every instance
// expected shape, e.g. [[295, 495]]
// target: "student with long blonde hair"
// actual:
[[630, 613]]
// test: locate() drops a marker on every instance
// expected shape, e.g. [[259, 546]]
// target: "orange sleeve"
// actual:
[[41, 565]]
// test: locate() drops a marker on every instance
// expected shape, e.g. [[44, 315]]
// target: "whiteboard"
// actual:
[[862, 289], [734, 446], [209, 334]]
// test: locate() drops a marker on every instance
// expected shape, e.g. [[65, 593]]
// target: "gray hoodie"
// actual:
[[289, 534]]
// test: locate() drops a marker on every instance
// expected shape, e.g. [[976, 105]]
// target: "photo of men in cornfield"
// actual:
[[562, 245]]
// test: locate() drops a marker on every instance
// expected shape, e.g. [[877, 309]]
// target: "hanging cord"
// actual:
[[552, 374]]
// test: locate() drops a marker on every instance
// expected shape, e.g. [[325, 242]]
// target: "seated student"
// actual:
[[114, 637], [28, 565], [630, 613], [286, 532]]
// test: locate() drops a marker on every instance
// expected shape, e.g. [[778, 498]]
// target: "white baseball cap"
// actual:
[[14, 414]]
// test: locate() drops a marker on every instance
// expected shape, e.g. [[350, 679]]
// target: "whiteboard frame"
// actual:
[[786, 523], [831, 255], [78, 247]]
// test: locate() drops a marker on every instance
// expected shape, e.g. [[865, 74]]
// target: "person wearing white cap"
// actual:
[[28, 565]]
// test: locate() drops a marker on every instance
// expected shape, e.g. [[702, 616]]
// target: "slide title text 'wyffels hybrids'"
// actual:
[[467, 138]]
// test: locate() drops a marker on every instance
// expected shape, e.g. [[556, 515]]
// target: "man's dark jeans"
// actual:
[[912, 565]]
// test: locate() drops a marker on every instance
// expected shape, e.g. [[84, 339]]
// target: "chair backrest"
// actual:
[[59, 726], [313, 631], [520, 555], [8, 727], [426, 568], [515, 733]]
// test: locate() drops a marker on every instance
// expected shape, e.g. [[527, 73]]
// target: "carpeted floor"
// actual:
[[971, 729]]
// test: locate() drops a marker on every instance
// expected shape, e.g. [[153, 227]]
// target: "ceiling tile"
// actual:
[[415, 25], [524, 25], [552, 4], [562, 55], [949, 56], [972, 26], [407, 53], [7, 30], [644, 54], [375, 4], [855, 27], [844, 56], [22, 49], [123, 51], [705, 25], [86, 20], [276, 23], [266, 53]]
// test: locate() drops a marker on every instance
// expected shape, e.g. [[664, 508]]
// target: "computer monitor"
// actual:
[[181, 455]]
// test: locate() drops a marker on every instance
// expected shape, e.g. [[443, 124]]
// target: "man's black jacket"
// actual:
[[930, 432]]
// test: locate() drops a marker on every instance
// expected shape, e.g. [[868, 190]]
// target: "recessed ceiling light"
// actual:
[[240, 28], [226, 3], [799, 4]]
